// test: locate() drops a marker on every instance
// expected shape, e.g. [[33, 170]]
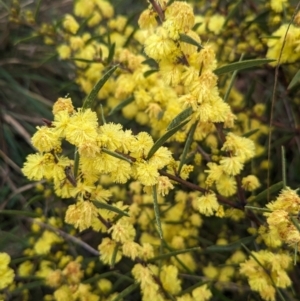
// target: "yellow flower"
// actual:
[[159, 46], [25, 268], [215, 171], [45, 139], [147, 19], [141, 146], [278, 5], [258, 277], [215, 23], [122, 231], [46, 241], [202, 293], [38, 166], [226, 185], [70, 24], [164, 185], [239, 146], [250, 183], [63, 104], [181, 14], [73, 273], [63, 293], [131, 249], [107, 249], [232, 165], [6, 273], [111, 135], [146, 173], [64, 51], [169, 279], [81, 215], [107, 9], [82, 127], [54, 278], [208, 204]]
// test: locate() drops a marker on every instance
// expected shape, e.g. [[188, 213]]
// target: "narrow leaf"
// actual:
[[114, 257], [250, 133], [27, 286], [232, 13], [121, 105], [174, 253], [242, 65], [108, 207], [116, 155], [88, 102], [187, 39], [231, 247], [187, 145], [258, 209], [156, 210], [164, 138], [111, 53], [263, 195], [126, 291], [180, 117], [231, 82], [294, 81], [20, 213], [149, 72], [150, 62]]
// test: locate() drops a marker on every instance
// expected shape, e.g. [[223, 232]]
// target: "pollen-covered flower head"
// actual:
[[181, 14], [160, 46], [63, 104]]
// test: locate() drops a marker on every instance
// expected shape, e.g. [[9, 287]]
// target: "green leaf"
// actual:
[[30, 285], [250, 133], [114, 257], [164, 138], [232, 79], [187, 39], [88, 102], [121, 105], [26, 39], [108, 207], [156, 211], [187, 145], [241, 65], [130, 37], [180, 117], [294, 81], [34, 199], [111, 53], [20, 213], [150, 62], [116, 155], [149, 72], [264, 195], [126, 291], [258, 209], [174, 253], [232, 13], [231, 247]]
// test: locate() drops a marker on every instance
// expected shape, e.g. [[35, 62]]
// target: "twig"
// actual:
[[66, 236]]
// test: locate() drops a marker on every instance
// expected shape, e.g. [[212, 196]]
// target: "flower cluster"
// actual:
[[98, 148], [6, 273], [266, 271], [281, 228]]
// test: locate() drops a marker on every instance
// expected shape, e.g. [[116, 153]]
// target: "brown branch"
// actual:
[[67, 236], [192, 186], [158, 9]]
